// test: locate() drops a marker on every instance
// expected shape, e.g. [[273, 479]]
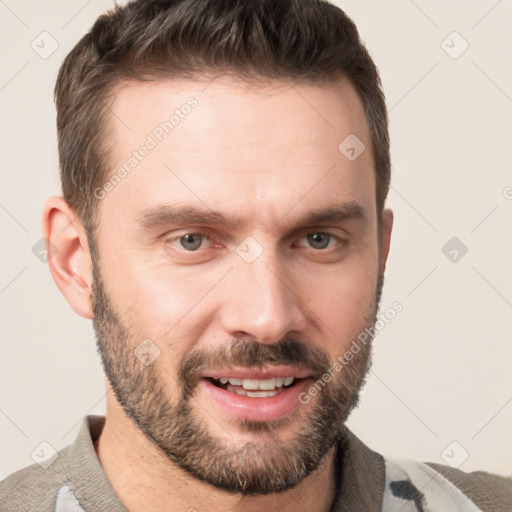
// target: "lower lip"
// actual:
[[256, 409]]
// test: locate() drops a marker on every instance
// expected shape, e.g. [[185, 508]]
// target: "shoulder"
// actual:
[[35, 487], [438, 487], [488, 491]]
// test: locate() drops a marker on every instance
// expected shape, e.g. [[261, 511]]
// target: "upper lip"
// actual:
[[257, 374]]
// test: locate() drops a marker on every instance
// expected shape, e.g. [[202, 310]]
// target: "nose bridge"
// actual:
[[262, 303]]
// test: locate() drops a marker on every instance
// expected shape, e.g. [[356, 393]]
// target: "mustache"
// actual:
[[250, 353]]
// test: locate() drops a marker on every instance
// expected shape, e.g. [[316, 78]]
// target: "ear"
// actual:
[[68, 255], [385, 238]]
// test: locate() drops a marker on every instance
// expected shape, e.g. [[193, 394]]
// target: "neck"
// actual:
[[145, 480]]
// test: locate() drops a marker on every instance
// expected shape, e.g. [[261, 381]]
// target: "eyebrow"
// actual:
[[164, 215]]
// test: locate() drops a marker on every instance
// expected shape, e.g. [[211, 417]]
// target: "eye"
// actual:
[[191, 241], [320, 240]]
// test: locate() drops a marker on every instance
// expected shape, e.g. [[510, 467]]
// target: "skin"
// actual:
[[266, 156]]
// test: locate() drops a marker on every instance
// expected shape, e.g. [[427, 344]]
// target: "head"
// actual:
[[224, 168]]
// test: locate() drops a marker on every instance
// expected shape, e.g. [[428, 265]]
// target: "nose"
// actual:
[[263, 301]]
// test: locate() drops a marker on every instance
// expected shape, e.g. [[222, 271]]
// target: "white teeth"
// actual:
[[267, 384], [258, 384], [263, 384], [253, 394], [250, 384], [261, 394]]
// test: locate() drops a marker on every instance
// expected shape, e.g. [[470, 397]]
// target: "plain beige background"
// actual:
[[441, 385]]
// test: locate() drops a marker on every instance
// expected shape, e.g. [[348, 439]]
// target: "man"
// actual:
[[224, 168]]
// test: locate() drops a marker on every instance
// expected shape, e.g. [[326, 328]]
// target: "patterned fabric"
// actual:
[[66, 501], [415, 487], [410, 487]]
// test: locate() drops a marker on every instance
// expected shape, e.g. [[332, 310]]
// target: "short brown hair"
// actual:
[[305, 41]]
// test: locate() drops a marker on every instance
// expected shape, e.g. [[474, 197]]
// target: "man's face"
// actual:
[[242, 246]]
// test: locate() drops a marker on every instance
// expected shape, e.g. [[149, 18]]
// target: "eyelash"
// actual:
[[206, 235]]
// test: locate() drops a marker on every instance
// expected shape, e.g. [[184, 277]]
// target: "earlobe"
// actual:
[[385, 237], [68, 255]]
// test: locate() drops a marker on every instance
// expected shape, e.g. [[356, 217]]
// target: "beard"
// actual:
[[255, 468]]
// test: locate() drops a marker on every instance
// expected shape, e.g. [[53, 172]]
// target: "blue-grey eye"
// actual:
[[191, 241], [319, 240]]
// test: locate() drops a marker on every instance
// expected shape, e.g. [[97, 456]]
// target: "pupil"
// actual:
[[191, 241], [320, 239]]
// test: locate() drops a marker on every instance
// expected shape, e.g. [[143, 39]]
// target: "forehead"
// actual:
[[236, 146]]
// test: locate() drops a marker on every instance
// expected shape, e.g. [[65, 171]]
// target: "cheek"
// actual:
[[345, 300], [160, 304], [165, 304]]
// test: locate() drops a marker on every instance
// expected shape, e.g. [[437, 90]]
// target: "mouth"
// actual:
[[255, 388], [255, 394]]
